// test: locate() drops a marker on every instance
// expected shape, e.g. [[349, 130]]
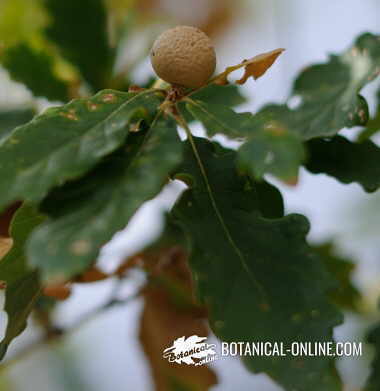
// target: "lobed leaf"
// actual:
[[275, 151], [228, 95], [35, 69], [346, 161], [255, 273], [269, 200], [85, 214], [346, 295], [220, 119], [22, 284], [79, 28], [326, 96], [269, 147], [66, 142]]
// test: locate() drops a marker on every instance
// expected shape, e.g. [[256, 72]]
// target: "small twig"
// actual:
[[63, 333]]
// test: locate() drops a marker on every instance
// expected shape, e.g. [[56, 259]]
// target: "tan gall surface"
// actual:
[[185, 56]]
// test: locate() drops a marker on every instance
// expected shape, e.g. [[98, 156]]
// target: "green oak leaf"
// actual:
[[269, 147], [346, 161], [65, 142], [221, 119], [228, 95], [269, 199], [326, 95], [373, 382], [79, 28], [22, 284], [85, 214], [258, 277], [34, 68], [346, 295], [10, 119], [276, 151]]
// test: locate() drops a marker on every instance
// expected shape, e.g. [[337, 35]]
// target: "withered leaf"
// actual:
[[254, 67], [167, 315], [57, 291], [93, 274]]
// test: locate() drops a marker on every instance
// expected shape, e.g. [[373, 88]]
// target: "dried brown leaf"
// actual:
[[91, 275], [165, 319], [57, 291], [131, 262], [254, 67]]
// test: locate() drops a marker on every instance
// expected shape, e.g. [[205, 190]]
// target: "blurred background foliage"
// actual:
[[53, 50]]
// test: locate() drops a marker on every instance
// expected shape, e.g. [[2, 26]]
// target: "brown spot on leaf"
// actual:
[[71, 115], [80, 247], [92, 106], [5, 246], [136, 88], [108, 98], [362, 115]]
